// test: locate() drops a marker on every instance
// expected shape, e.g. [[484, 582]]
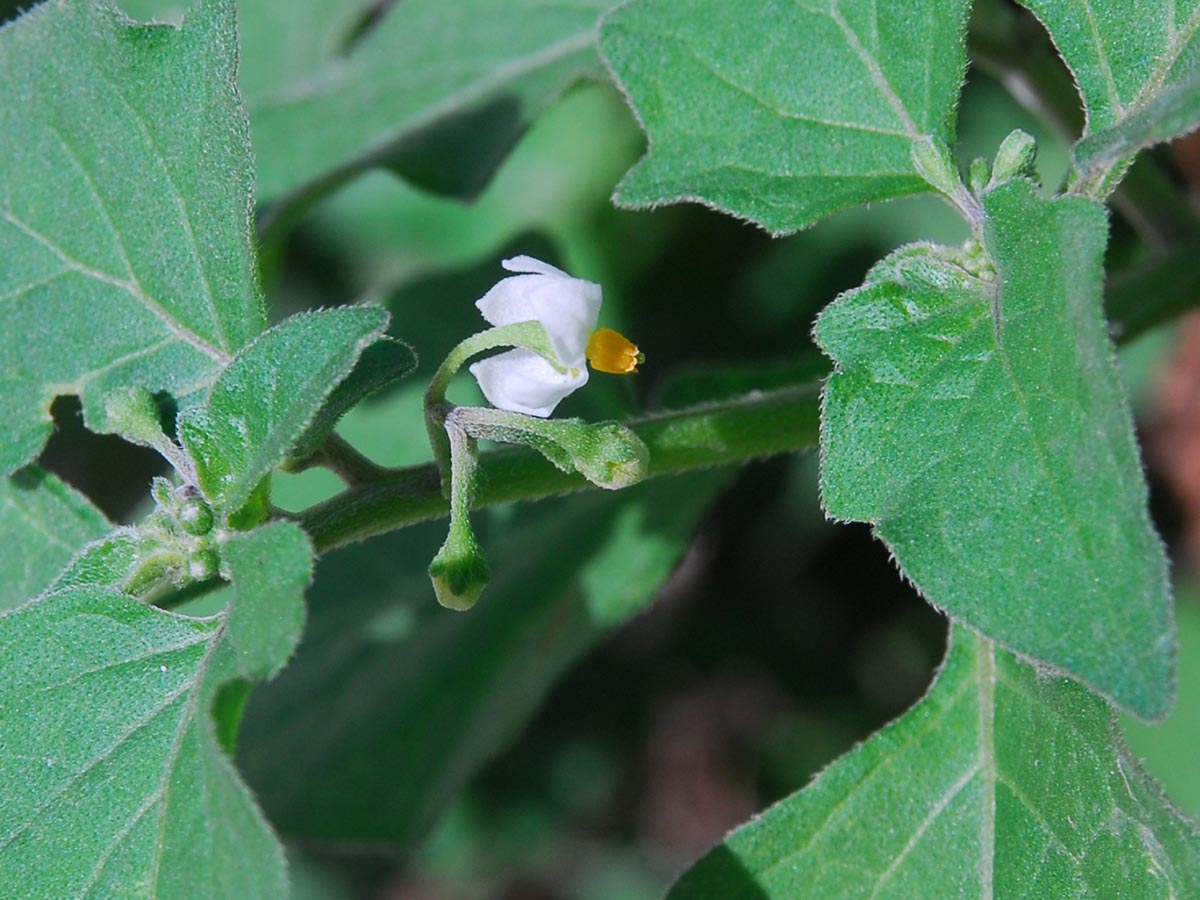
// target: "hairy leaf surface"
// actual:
[[1002, 782], [266, 399], [43, 523], [784, 112], [125, 201], [116, 782], [980, 425], [1137, 66]]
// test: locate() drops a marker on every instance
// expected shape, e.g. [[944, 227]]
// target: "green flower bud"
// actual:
[[979, 174], [934, 163], [615, 459], [1015, 158], [153, 572], [459, 572], [203, 565], [195, 516]]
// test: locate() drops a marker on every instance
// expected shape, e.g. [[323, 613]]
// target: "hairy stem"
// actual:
[[709, 435]]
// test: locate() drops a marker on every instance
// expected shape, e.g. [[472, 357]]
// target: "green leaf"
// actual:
[[437, 694], [1171, 113], [1002, 782], [438, 91], [1169, 748], [270, 567], [114, 782], [269, 395], [382, 363], [782, 113], [125, 200], [1137, 67], [43, 523], [980, 425]]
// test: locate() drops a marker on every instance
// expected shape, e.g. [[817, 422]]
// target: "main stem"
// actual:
[[702, 436]]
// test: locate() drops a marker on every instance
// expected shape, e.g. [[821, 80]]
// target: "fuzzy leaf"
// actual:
[[382, 363], [270, 567], [43, 523], [784, 112], [1002, 782], [981, 427], [125, 200], [1137, 66], [267, 397], [114, 781]]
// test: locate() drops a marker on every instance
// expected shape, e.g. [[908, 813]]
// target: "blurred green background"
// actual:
[[649, 669]]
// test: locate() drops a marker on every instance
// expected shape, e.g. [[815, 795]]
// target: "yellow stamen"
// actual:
[[612, 352]]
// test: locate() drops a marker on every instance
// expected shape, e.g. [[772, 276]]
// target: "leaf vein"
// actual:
[[873, 69], [133, 288], [193, 247], [766, 104]]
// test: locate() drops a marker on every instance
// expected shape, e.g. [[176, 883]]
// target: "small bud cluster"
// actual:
[[176, 545]]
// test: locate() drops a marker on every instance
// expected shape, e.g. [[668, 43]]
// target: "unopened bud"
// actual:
[[979, 174], [613, 457], [1015, 158], [459, 574], [933, 162]]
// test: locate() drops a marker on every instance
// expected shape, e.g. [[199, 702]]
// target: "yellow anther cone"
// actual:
[[612, 352]]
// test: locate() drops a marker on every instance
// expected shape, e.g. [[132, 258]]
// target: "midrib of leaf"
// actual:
[[873, 69], [131, 286], [161, 794], [816, 833], [1179, 40], [765, 104], [984, 768], [185, 721], [185, 218], [1102, 54]]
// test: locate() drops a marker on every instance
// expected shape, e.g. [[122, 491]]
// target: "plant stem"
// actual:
[[731, 431], [341, 458], [716, 434]]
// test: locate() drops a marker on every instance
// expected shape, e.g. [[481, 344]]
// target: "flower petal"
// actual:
[[521, 381], [531, 266], [567, 308]]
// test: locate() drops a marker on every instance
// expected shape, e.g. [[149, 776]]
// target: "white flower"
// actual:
[[521, 380]]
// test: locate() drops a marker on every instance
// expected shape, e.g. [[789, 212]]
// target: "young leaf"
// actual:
[[43, 523], [784, 112], [265, 400], [125, 201], [113, 777], [439, 91], [270, 567], [979, 424], [437, 695], [384, 362], [1002, 782], [1173, 112], [1137, 67]]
